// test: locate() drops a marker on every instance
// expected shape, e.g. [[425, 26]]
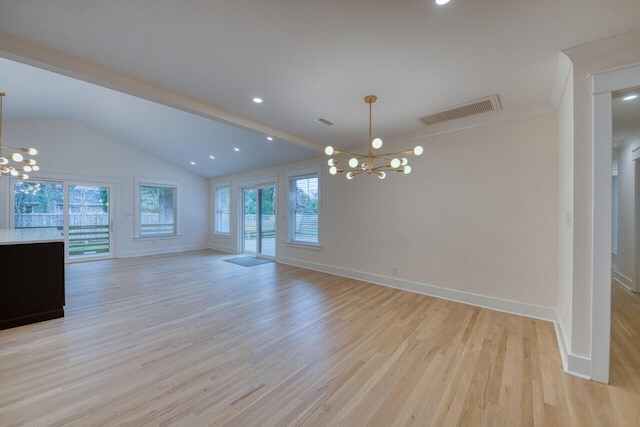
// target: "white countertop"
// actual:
[[29, 235]]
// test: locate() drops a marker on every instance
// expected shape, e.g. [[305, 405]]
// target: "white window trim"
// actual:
[[298, 174], [215, 225], [153, 182]]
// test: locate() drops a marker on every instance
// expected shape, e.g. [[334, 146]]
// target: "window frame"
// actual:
[[216, 203], [293, 178], [148, 182]]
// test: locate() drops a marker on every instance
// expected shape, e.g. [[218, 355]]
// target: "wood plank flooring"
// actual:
[[187, 339]]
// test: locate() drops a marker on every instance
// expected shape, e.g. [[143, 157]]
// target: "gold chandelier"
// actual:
[[15, 163], [378, 164]]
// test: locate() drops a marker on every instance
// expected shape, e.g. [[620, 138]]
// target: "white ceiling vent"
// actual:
[[483, 105]]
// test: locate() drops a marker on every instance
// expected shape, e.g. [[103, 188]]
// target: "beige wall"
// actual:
[[476, 217]]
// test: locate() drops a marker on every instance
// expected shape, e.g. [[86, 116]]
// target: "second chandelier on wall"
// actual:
[[378, 164]]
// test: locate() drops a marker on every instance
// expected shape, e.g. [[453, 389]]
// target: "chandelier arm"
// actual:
[[397, 152], [24, 150], [386, 168], [360, 156], [382, 157]]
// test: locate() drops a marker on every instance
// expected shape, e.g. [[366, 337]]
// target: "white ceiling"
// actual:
[[174, 135], [306, 59]]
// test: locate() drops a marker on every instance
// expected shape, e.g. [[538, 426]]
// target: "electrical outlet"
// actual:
[[394, 271]]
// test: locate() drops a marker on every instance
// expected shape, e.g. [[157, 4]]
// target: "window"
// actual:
[[222, 209], [157, 206], [304, 201]]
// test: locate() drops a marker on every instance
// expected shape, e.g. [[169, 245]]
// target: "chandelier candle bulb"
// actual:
[[369, 163]]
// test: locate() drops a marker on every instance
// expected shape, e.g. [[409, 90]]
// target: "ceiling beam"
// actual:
[[26, 52]]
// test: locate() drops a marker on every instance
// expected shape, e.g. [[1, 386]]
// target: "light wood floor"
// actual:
[[189, 339]]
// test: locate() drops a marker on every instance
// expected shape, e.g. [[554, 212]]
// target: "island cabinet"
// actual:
[[32, 280]]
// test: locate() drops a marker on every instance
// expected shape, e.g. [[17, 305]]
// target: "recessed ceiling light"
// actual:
[[193, 163], [257, 100], [270, 138], [212, 157], [236, 149], [441, 2], [630, 97]]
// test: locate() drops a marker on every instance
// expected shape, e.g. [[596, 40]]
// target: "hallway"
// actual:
[[625, 339]]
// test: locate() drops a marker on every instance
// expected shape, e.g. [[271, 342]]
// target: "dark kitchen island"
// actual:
[[32, 286]]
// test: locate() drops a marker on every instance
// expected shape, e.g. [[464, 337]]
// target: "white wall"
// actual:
[[565, 215], [625, 266], [475, 221], [73, 150]]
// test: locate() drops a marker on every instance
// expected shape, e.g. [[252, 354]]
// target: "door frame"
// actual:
[[636, 253], [603, 84]]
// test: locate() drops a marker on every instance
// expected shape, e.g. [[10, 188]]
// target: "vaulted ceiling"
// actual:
[[208, 59]]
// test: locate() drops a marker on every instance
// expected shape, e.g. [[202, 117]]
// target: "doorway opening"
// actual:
[[606, 86]]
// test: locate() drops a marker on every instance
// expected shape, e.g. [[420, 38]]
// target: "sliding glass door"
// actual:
[[259, 220], [249, 223], [81, 211], [267, 224], [89, 219]]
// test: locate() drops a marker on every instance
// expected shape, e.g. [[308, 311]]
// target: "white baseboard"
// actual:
[[624, 281], [160, 251], [506, 306], [573, 365], [579, 366]]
